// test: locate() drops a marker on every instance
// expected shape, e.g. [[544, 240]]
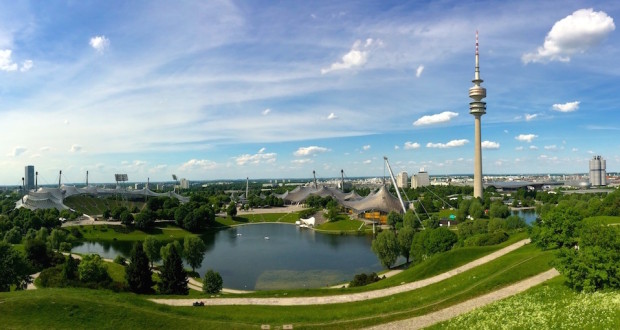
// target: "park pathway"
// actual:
[[469, 305], [346, 298]]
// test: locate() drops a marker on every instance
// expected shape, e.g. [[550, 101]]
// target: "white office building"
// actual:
[[402, 180], [598, 173], [421, 179]]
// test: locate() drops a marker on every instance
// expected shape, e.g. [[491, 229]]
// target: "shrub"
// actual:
[[364, 279], [92, 269], [487, 239], [120, 260], [65, 247]]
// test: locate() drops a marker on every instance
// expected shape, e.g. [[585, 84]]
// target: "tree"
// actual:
[[92, 269], [386, 247], [212, 282], [410, 220], [165, 250], [138, 273], [419, 251], [193, 250], [37, 253], [152, 248], [56, 237], [595, 265], [394, 218], [13, 236], [173, 276], [556, 228], [440, 239], [231, 210], [70, 269], [405, 238], [475, 209], [144, 219], [499, 210], [332, 213], [126, 218], [14, 269]]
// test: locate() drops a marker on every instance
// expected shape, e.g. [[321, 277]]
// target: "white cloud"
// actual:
[[308, 151], [396, 147], [411, 145], [575, 33], [451, 144], [45, 148], [195, 164], [6, 63], [332, 116], [526, 137], [262, 150], [490, 145], [533, 148], [435, 119], [366, 147], [566, 107], [418, 71], [506, 131], [529, 117], [301, 161], [99, 43], [266, 112], [356, 57], [258, 158], [519, 148], [367, 161], [551, 147], [18, 151], [575, 149], [26, 66], [75, 148]]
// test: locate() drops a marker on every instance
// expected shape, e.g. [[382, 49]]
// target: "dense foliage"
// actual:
[[173, 277], [364, 279], [212, 282], [386, 247], [138, 273], [14, 269]]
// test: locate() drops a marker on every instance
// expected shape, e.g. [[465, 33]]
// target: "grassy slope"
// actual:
[[258, 218], [107, 233], [551, 305], [65, 308], [605, 219]]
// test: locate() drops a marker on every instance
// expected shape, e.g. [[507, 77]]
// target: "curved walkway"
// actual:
[[469, 305], [346, 298]]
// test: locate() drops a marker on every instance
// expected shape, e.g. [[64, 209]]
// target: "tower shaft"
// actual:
[[477, 108]]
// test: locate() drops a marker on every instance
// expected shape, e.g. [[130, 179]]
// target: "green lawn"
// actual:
[[605, 219], [121, 233], [551, 305], [66, 308], [342, 224]]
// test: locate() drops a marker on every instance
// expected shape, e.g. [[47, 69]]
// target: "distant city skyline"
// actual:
[[235, 89]]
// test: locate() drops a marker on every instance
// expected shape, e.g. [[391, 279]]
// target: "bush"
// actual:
[[65, 247], [120, 260], [92, 269], [487, 239], [13, 236], [363, 279], [212, 282]]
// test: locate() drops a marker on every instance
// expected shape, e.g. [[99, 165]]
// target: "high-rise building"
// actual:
[[184, 183], [29, 177], [477, 108], [421, 179], [402, 180], [598, 173]]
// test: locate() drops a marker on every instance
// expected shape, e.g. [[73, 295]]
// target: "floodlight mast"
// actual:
[[400, 199], [314, 175]]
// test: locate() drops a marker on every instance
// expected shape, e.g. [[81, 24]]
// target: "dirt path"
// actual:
[[346, 298], [469, 305]]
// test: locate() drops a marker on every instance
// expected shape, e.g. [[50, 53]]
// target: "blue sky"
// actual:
[[229, 89]]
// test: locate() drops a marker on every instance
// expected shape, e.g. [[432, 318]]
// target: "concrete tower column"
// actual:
[[477, 108]]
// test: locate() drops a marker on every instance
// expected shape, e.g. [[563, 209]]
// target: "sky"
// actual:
[[276, 89]]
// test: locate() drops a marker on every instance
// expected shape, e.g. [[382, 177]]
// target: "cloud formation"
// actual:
[[99, 43], [575, 33], [356, 57], [18, 151], [266, 112], [418, 71], [566, 107], [551, 147], [435, 119], [197, 164], [490, 145], [308, 151], [332, 116], [257, 158], [75, 148], [451, 144], [526, 137], [366, 147], [529, 117], [411, 145]]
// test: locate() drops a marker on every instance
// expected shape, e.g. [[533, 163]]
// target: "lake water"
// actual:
[[529, 215], [292, 257]]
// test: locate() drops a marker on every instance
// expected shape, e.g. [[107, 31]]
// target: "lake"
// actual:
[[292, 257], [529, 215]]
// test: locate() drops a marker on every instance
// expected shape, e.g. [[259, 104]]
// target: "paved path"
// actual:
[[346, 298], [469, 305]]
